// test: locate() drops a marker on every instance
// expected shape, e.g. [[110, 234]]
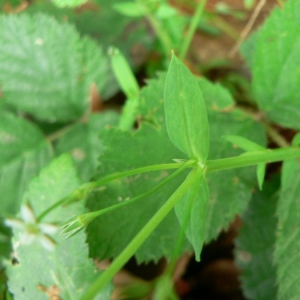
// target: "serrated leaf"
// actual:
[[67, 271], [230, 190], [275, 64], [191, 212], [83, 142], [288, 234], [233, 185], [186, 117], [255, 245], [23, 153], [109, 234], [44, 70]]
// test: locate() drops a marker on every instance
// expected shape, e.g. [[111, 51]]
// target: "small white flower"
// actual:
[[31, 230]]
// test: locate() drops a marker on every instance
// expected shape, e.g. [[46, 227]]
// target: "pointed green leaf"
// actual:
[[233, 185], [191, 212], [185, 111], [274, 63], [67, 270], [23, 153], [255, 245], [130, 8], [287, 245]]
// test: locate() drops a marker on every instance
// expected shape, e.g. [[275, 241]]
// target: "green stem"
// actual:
[[113, 207], [83, 191], [195, 21], [180, 239], [159, 30], [138, 240], [151, 168], [252, 158]]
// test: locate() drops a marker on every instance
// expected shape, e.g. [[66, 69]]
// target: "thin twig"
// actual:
[[248, 27]]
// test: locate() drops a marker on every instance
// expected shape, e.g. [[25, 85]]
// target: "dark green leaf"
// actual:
[[191, 211], [109, 234], [274, 65], [230, 190], [287, 245], [255, 245], [185, 111]]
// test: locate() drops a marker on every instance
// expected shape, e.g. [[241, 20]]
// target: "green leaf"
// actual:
[[255, 245], [5, 247], [274, 65], [123, 73], [129, 86], [166, 11], [109, 234], [192, 210], [23, 153], [230, 190], [68, 3], [130, 9], [44, 70], [288, 235], [185, 111], [67, 270], [83, 142]]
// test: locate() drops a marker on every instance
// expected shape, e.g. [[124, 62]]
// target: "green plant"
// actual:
[[196, 160]]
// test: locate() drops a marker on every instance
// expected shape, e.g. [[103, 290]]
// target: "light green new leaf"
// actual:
[[68, 3], [287, 245], [191, 212], [123, 73], [255, 245], [44, 68], [67, 270], [130, 8], [186, 117], [275, 65], [129, 86], [23, 153]]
